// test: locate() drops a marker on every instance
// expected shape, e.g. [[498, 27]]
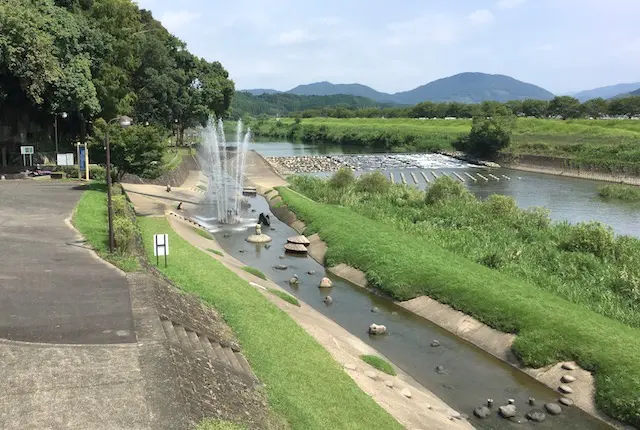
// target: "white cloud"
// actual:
[[481, 17], [176, 20], [508, 4], [428, 28]]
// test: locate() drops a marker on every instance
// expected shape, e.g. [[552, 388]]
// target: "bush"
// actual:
[[124, 231], [374, 182], [622, 192], [443, 189], [343, 178], [592, 237], [120, 206]]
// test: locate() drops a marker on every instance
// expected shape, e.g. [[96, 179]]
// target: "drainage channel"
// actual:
[[470, 375]]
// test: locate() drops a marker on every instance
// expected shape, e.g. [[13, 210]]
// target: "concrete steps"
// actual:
[[201, 344]]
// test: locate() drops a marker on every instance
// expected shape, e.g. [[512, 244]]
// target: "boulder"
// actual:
[[482, 412], [377, 329], [281, 267], [326, 283], [294, 280], [507, 411], [536, 416], [328, 300], [553, 408], [567, 379], [565, 401], [565, 389], [375, 310], [435, 343]]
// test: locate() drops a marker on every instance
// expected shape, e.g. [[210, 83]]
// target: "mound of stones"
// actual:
[[306, 164]]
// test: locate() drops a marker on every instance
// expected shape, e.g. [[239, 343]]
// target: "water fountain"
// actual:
[[224, 166]]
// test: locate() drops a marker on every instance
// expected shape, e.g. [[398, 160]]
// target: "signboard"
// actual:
[[161, 247], [27, 151], [82, 159], [65, 159]]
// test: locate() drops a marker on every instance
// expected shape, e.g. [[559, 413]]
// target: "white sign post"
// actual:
[[65, 159], [27, 150], [161, 247]]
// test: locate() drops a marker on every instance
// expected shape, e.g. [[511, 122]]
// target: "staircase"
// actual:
[[210, 348]]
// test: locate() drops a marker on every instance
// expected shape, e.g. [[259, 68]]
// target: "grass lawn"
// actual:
[[303, 382], [379, 364], [284, 296], [215, 251], [203, 233], [549, 328], [254, 271], [90, 218]]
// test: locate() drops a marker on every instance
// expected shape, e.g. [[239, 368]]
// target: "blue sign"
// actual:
[[82, 163]]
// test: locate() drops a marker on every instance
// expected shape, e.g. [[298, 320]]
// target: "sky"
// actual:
[[560, 45]]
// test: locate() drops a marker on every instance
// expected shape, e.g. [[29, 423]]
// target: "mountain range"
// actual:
[[469, 87], [606, 92]]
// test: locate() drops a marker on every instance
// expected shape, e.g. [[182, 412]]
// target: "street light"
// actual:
[[124, 122], [55, 123]]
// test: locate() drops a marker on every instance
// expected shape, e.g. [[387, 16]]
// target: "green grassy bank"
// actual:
[[550, 328], [303, 382], [588, 143]]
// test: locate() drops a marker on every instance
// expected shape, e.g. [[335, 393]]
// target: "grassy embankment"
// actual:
[[597, 143], [553, 323], [303, 383], [379, 364]]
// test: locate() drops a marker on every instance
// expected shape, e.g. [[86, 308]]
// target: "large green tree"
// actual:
[[565, 107]]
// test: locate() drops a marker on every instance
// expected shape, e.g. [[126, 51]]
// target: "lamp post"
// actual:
[[55, 125], [124, 122]]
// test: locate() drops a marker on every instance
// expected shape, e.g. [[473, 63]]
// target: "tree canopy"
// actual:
[[99, 59]]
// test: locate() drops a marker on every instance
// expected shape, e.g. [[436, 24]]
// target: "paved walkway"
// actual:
[[69, 357], [52, 288]]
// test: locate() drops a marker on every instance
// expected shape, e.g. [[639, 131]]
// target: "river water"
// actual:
[[571, 199]]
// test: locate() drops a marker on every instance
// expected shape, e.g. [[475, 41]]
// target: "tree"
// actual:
[[516, 106], [595, 108], [488, 136], [137, 149], [625, 106], [565, 107], [535, 108]]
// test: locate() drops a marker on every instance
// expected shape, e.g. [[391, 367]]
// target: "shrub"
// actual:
[[343, 178], [444, 188], [592, 237], [120, 206], [124, 231], [374, 182], [622, 192]]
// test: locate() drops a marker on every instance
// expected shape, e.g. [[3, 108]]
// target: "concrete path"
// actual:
[[52, 288], [69, 356]]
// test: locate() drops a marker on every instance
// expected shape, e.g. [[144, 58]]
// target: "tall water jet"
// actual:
[[225, 172]]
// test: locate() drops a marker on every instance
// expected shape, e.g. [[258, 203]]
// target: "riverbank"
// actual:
[[601, 144], [535, 322]]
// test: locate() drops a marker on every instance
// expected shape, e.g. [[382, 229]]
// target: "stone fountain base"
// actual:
[[259, 238]]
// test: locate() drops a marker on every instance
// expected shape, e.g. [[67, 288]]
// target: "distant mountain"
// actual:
[[606, 92], [473, 88], [629, 94], [328, 89], [260, 91], [464, 88]]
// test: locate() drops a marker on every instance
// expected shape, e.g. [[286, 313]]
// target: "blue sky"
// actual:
[[561, 45]]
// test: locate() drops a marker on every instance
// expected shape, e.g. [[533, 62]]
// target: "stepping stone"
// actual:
[[388, 383], [299, 240], [565, 389], [565, 401], [569, 366], [406, 393], [553, 408], [567, 379], [482, 412], [297, 248], [536, 416]]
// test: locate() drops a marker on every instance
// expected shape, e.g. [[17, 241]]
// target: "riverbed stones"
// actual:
[[294, 280], [565, 401], [567, 379], [311, 272], [553, 408], [435, 343], [507, 411], [388, 383], [281, 267], [326, 283], [440, 369], [371, 374], [536, 416], [281, 257], [511, 401], [328, 300], [565, 389], [375, 310], [405, 392], [532, 401], [482, 412], [490, 403], [377, 330], [569, 366]]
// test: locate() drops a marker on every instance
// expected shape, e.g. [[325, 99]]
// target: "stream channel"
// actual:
[[471, 376]]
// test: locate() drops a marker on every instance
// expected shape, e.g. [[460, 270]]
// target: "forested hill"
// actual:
[[283, 103], [100, 58]]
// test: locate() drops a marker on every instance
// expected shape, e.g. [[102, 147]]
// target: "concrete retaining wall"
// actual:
[[175, 178]]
